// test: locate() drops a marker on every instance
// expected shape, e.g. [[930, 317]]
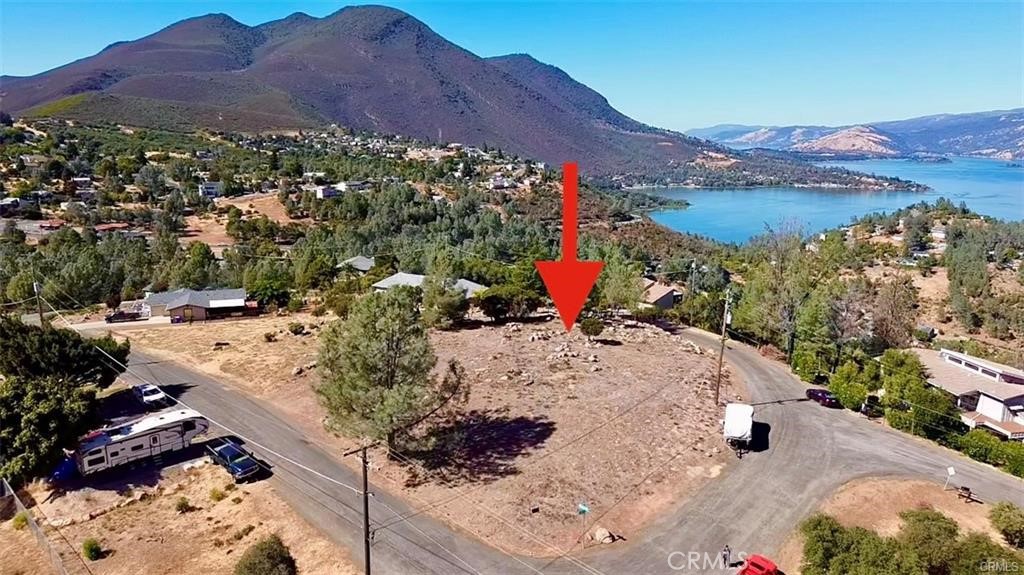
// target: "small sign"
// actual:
[[582, 509], [950, 471]]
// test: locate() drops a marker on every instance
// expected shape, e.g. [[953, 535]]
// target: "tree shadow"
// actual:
[[122, 404], [480, 447], [611, 342]]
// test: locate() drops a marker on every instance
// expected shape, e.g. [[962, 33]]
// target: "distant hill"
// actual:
[[378, 69], [996, 134]]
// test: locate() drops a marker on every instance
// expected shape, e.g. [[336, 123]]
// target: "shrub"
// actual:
[[591, 326], [295, 303], [217, 495], [268, 556], [182, 505], [241, 533], [649, 313], [1008, 519], [318, 311], [978, 444], [269, 337], [236, 500], [20, 520], [507, 301], [91, 549], [230, 487], [296, 328]]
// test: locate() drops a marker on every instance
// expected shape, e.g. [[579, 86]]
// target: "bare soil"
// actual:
[[875, 504], [141, 531], [20, 552], [208, 229], [263, 203], [625, 424]]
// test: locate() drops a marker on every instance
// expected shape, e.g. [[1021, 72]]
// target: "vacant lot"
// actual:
[[264, 203], [625, 424], [876, 504], [141, 529]]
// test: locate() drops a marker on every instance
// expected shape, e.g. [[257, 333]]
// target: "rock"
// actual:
[[595, 368], [297, 370], [602, 535], [592, 358], [309, 366]]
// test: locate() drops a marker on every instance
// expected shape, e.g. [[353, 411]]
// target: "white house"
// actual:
[[990, 395], [361, 264], [324, 192], [211, 189], [467, 287]]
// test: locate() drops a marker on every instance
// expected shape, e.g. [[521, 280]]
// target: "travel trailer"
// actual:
[[115, 445]]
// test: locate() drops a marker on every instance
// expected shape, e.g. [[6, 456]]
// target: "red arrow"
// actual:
[[569, 280]]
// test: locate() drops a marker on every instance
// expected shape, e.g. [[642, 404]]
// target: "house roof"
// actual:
[[656, 291], [360, 263], [212, 298], [416, 280], [960, 380]]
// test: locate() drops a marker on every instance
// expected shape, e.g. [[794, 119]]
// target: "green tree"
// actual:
[[444, 305], [376, 368], [38, 418], [501, 302], [150, 180], [932, 536], [268, 281], [199, 270], [268, 556], [894, 311], [1008, 519], [620, 285], [30, 351], [846, 386]]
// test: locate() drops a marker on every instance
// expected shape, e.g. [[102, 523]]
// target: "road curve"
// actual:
[[752, 506]]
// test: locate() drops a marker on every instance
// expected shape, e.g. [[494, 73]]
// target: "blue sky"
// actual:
[[677, 65]]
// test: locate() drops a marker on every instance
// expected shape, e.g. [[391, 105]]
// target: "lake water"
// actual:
[[988, 187]]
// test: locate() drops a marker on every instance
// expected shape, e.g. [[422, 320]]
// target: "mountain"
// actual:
[[379, 69], [996, 134], [865, 140], [366, 68]]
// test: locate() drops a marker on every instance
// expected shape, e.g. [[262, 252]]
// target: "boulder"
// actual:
[[602, 535]]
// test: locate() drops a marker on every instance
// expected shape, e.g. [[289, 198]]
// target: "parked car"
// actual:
[[121, 316], [150, 395], [758, 565], [872, 407], [823, 397], [229, 455]]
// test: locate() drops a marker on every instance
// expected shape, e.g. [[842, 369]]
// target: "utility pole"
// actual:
[[39, 303], [721, 352], [366, 503]]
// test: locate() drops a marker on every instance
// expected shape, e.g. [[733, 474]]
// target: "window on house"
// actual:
[[137, 447]]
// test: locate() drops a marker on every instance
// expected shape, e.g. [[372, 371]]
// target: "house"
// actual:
[[467, 287], [657, 294], [324, 192], [187, 304], [500, 182], [352, 186], [989, 395], [211, 189], [361, 264], [33, 160], [111, 228], [9, 206]]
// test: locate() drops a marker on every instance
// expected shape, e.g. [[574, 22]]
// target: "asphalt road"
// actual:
[[752, 506]]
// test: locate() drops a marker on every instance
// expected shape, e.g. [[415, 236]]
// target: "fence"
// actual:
[[11, 505]]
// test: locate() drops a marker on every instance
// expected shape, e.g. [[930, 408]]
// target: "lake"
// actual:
[[988, 187]]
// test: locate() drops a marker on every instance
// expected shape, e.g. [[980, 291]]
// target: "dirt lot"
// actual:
[[208, 229], [265, 203], [21, 554], [625, 424], [141, 531], [875, 504]]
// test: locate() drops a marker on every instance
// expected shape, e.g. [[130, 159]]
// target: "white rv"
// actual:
[[157, 433]]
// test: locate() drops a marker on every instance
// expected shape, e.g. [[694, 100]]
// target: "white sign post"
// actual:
[[950, 472]]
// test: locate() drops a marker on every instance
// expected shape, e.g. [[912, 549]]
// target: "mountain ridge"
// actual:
[[994, 133]]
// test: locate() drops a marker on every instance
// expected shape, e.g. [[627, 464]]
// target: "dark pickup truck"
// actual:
[[121, 315], [233, 458]]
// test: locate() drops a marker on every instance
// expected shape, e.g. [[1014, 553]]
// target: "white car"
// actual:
[[149, 394]]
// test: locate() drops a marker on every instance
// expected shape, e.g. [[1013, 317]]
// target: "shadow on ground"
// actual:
[[481, 446], [122, 404], [759, 436]]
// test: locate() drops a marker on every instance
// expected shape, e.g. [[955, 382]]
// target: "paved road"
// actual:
[[752, 506]]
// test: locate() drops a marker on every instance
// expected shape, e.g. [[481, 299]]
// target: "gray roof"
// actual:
[[199, 298], [416, 280], [359, 263], [959, 381]]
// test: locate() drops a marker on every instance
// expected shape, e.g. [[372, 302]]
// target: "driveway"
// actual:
[[753, 506]]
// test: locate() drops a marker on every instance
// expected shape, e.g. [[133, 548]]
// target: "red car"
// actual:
[[758, 565], [823, 397]]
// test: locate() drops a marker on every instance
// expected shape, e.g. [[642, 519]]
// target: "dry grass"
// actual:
[[263, 203], [875, 504], [142, 531], [548, 426]]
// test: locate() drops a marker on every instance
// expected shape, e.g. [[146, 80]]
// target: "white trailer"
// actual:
[[738, 426], [111, 446]]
